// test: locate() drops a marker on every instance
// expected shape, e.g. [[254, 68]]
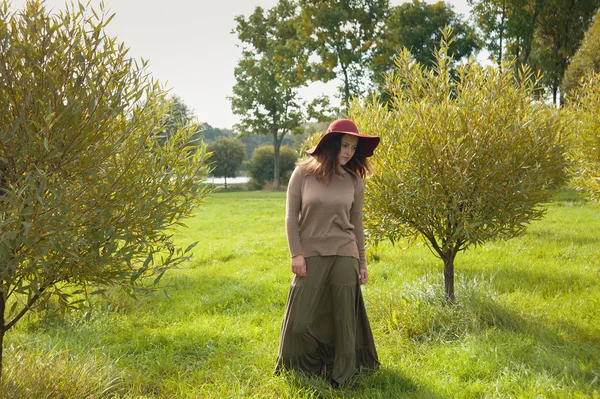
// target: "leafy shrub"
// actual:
[[261, 166]]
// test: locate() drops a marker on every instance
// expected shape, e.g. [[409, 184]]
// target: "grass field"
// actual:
[[526, 323]]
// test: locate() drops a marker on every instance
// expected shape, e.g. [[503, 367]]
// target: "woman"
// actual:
[[325, 328]]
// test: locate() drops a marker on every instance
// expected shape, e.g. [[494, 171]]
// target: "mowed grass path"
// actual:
[[526, 323]]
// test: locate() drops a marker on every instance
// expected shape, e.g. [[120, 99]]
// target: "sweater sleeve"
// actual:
[[292, 212], [356, 218]]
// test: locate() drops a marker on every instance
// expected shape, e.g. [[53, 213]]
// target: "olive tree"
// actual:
[[87, 196], [585, 140], [462, 161]]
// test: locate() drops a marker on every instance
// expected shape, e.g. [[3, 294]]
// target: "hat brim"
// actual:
[[366, 143]]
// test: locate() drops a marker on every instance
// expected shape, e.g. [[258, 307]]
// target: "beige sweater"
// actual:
[[325, 220]]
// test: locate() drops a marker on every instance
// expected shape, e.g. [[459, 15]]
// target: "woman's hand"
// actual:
[[363, 276], [299, 266]]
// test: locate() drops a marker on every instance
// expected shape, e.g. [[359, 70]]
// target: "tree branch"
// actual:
[[31, 302]]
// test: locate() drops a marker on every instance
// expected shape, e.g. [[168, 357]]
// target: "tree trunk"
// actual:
[[225, 181], [449, 276], [346, 88], [2, 309], [501, 33], [276, 166]]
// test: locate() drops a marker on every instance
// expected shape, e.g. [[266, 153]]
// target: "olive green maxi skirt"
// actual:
[[326, 323]]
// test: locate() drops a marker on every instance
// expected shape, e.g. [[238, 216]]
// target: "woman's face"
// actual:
[[348, 148]]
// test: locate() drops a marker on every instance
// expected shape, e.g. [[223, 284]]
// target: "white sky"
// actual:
[[190, 48]]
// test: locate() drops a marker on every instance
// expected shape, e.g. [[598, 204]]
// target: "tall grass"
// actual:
[[525, 323]]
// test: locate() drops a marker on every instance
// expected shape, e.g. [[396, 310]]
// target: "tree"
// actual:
[[210, 133], [227, 157], [586, 60], [561, 29], [585, 147], [418, 27], [342, 34], [274, 65], [543, 34], [178, 116], [87, 195], [462, 161], [508, 24], [260, 167]]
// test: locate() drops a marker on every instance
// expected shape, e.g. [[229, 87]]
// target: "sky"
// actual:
[[190, 47]]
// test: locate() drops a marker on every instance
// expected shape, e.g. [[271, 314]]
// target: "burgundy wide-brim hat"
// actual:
[[366, 143]]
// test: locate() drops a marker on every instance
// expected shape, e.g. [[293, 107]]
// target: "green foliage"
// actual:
[[586, 60], [558, 36], [253, 141], [418, 27], [227, 156], [342, 33], [87, 194], [274, 65], [507, 26], [585, 146], [179, 116], [260, 167], [210, 133], [462, 161], [541, 34]]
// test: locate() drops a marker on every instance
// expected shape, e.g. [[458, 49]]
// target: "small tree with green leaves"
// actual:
[[227, 155], [260, 167], [461, 162], [585, 144], [87, 195]]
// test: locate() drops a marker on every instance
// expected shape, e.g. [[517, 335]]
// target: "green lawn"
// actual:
[[526, 323]]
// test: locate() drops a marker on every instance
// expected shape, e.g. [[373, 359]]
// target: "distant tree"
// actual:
[[586, 60], [462, 161], [507, 26], [342, 34], [585, 146], [227, 157], [543, 34], [260, 168], [561, 29], [252, 142], [273, 66], [418, 27], [210, 133], [88, 198], [178, 116]]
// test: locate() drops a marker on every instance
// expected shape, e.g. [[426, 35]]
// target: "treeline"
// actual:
[[355, 43]]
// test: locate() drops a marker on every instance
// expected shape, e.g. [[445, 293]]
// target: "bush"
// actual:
[[584, 150], [463, 161], [261, 165]]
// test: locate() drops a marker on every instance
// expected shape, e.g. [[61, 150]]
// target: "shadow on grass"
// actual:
[[384, 383], [563, 350], [510, 341], [532, 281], [227, 295]]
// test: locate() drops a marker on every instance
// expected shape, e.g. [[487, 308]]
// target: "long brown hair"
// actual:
[[324, 164]]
